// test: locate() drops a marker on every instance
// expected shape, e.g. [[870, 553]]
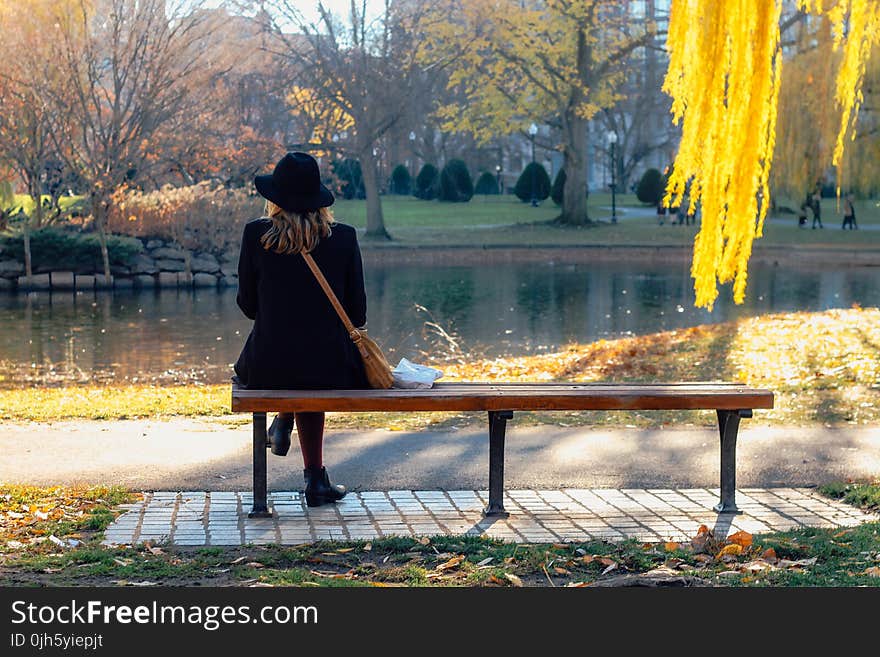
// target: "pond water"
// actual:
[[176, 336]]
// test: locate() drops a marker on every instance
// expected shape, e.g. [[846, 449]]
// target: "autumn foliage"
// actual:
[[724, 76], [206, 216]]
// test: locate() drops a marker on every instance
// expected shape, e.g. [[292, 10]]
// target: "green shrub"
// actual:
[[487, 184], [401, 181], [557, 192], [456, 185], [427, 182], [56, 249], [533, 183], [650, 187]]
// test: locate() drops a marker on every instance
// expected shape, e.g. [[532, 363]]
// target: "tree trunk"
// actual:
[[574, 200], [28, 266], [574, 128], [98, 214], [34, 190], [375, 220]]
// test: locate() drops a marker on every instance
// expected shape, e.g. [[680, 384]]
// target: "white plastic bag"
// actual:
[[412, 375]]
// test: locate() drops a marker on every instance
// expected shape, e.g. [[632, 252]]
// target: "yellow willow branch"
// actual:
[[724, 77]]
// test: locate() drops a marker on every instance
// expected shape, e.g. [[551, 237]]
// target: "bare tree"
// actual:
[[365, 66], [25, 143], [238, 118], [557, 63], [643, 127], [125, 68]]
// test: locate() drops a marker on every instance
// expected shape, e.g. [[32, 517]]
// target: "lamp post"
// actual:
[[412, 152], [612, 143], [533, 130], [498, 178]]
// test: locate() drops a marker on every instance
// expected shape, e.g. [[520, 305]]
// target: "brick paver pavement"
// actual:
[[536, 516]]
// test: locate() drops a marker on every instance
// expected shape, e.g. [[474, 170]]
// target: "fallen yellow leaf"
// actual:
[[873, 571], [732, 550]]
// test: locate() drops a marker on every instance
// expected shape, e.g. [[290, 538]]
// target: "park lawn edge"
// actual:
[[844, 557]]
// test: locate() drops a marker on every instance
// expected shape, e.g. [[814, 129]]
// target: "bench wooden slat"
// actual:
[[510, 396]]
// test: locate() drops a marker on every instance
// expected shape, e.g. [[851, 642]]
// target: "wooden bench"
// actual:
[[730, 401]]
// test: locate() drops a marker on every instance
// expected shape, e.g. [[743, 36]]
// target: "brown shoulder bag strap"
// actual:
[[352, 331]]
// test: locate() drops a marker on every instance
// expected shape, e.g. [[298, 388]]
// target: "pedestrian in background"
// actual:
[[817, 209], [661, 213], [849, 213]]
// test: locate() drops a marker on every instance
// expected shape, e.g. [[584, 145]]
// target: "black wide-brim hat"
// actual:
[[295, 184]]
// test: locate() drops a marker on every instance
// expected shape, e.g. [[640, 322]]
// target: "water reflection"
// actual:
[[195, 336]]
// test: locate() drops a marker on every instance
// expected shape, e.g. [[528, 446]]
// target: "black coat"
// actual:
[[298, 340]]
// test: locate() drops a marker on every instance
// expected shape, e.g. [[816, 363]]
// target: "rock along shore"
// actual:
[[165, 265]]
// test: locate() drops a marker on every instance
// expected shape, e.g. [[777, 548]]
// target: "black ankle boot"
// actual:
[[319, 490], [279, 435]]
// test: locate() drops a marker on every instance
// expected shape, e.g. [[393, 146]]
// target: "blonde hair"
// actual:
[[295, 232]]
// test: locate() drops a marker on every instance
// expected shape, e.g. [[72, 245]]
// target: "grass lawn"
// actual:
[[823, 367], [26, 203], [52, 537], [505, 221]]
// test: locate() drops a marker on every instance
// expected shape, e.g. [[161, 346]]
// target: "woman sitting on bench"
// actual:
[[297, 340]]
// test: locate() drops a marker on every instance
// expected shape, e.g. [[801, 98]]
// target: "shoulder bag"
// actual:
[[375, 364]]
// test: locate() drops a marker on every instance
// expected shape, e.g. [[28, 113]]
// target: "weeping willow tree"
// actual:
[[724, 76], [808, 127]]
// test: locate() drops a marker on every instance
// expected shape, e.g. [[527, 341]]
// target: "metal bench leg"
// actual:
[[261, 507], [497, 425], [728, 425]]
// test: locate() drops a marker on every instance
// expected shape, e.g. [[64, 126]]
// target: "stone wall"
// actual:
[[160, 265]]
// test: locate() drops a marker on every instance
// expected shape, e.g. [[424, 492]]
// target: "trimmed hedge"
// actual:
[[557, 192], [534, 182], [456, 185], [487, 184], [351, 179], [427, 182], [401, 181], [650, 187]]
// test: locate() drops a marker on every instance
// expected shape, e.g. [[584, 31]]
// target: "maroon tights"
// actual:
[[310, 428]]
